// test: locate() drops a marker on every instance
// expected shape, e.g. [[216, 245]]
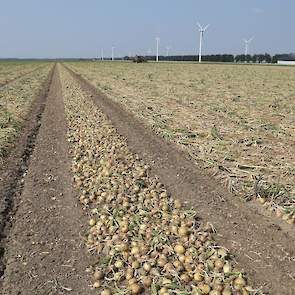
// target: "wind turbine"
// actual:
[[167, 50], [202, 31], [247, 42], [113, 49], [157, 44], [102, 54]]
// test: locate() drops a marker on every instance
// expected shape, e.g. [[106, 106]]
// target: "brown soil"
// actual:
[[260, 245], [45, 253]]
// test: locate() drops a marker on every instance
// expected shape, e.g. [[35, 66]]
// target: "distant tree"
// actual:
[[275, 58], [267, 58], [248, 58], [261, 58]]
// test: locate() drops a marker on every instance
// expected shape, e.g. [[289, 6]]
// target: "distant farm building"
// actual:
[[287, 59]]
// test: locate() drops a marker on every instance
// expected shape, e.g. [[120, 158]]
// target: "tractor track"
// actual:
[[258, 244], [15, 167], [44, 249]]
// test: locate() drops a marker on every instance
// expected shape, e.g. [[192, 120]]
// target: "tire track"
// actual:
[[46, 252], [15, 167]]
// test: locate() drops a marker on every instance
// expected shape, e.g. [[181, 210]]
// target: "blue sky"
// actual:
[[76, 28]]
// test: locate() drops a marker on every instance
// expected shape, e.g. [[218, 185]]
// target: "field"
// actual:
[[16, 101], [106, 180], [11, 70], [236, 121]]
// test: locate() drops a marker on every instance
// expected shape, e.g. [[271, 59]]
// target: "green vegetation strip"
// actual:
[[142, 240]]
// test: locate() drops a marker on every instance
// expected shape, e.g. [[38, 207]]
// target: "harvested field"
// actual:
[[242, 132], [248, 234], [9, 71], [105, 206], [15, 103], [135, 227]]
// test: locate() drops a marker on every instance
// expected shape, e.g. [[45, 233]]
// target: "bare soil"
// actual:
[[263, 247], [44, 248]]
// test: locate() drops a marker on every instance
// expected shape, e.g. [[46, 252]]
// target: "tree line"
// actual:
[[241, 58]]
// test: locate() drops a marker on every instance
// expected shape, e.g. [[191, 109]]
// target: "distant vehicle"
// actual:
[[138, 59]]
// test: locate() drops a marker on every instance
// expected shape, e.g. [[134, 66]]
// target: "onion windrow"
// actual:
[[144, 240]]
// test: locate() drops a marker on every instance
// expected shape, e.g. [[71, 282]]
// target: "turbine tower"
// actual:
[[167, 50], [113, 49], [157, 45], [202, 31], [247, 43], [102, 58]]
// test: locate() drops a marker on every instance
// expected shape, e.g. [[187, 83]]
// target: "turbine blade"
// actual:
[[206, 27]]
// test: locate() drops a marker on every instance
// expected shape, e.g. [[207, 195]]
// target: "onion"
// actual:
[[147, 266], [134, 250], [135, 288], [179, 249], [161, 262], [239, 283], [92, 222], [183, 231], [198, 277], [177, 204], [205, 289], [163, 290], [147, 281], [106, 292], [226, 268], [98, 275], [135, 264], [119, 264], [261, 200], [219, 264], [97, 284], [185, 277]]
